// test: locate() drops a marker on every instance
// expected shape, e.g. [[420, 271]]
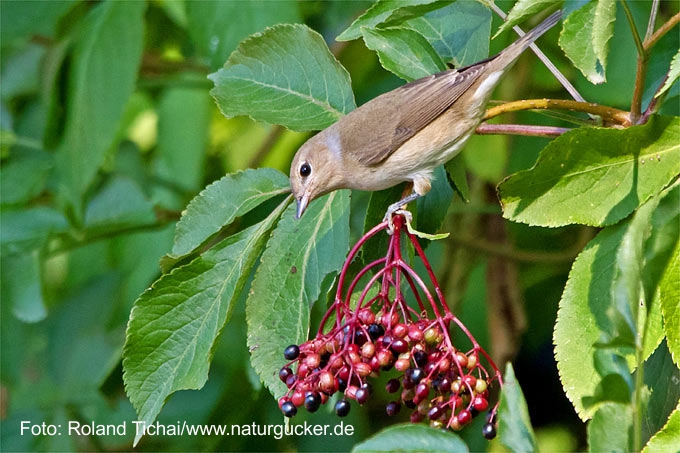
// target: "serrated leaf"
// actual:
[[173, 325], [673, 74], [384, 11], [585, 38], [514, 428], [600, 289], [403, 51], [608, 430], [594, 176], [223, 201], [285, 75], [298, 257], [103, 71], [522, 10], [668, 438], [669, 288], [410, 437]]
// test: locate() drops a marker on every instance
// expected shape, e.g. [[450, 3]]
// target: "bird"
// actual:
[[403, 134]]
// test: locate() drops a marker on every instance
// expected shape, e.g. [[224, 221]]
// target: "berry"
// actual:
[[445, 385], [362, 395], [420, 357], [284, 373], [434, 413], [375, 331], [400, 330], [489, 431], [480, 386], [422, 391], [399, 346], [480, 403], [366, 316], [291, 352], [392, 408], [464, 417], [312, 401], [415, 374], [288, 409], [415, 333], [342, 408], [392, 385]]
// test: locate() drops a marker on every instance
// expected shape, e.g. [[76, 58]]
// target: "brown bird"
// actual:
[[404, 134]]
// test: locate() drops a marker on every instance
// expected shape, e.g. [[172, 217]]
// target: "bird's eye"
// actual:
[[305, 170]]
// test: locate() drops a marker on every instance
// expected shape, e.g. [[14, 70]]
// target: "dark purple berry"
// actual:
[[420, 357], [376, 331], [284, 373], [291, 352], [289, 409], [410, 404], [489, 431], [342, 408], [422, 391], [392, 385], [415, 374], [362, 395], [359, 337], [290, 380], [434, 413], [392, 408], [342, 384], [312, 401], [399, 346]]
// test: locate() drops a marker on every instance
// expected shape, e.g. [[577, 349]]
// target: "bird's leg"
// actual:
[[397, 208]]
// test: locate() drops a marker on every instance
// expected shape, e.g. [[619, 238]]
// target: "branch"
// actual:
[[609, 115]]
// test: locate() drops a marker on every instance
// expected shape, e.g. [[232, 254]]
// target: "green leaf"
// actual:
[[585, 38], [29, 229], [459, 32], [522, 10], [103, 71], [669, 288], [298, 257], [285, 75], [221, 202], [661, 377], [23, 19], [119, 205], [410, 437], [668, 438], [609, 430], [514, 428], [21, 278], [600, 305], [673, 74], [24, 178], [216, 34], [433, 207], [174, 137], [404, 52], [388, 12], [173, 326], [594, 176], [456, 170]]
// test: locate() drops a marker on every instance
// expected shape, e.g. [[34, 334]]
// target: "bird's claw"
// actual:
[[389, 216]]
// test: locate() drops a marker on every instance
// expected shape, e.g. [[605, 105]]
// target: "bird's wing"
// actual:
[[405, 112]]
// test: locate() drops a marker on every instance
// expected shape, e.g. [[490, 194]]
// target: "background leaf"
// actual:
[[298, 257], [104, 70], [285, 75], [668, 439], [594, 176], [602, 437], [670, 294]]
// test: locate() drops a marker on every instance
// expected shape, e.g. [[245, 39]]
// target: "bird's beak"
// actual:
[[301, 205]]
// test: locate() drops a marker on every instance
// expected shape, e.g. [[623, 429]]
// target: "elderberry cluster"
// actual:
[[436, 381]]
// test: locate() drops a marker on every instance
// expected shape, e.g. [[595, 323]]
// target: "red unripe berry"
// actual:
[[462, 359], [434, 413], [399, 346], [354, 357], [444, 365], [344, 373], [464, 417], [415, 333], [402, 364], [416, 417], [327, 382], [313, 361], [480, 403], [303, 370], [469, 380], [352, 348], [351, 391], [385, 357], [363, 369], [422, 390], [366, 316], [400, 330], [298, 398], [368, 350]]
